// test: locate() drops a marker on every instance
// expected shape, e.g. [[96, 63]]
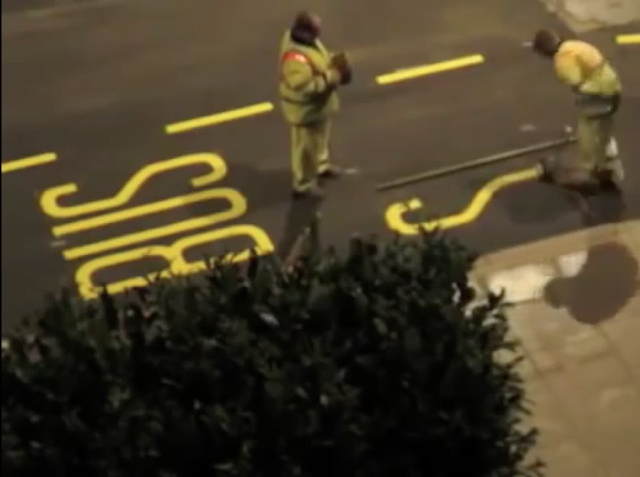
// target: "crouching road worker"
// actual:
[[309, 78], [583, 68]]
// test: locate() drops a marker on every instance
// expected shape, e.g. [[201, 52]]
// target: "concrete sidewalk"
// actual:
[[586, 15], [577, 312]]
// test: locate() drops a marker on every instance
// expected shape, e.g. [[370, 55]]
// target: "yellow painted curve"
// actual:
[[173, 254], [394, 215], [50, 198]]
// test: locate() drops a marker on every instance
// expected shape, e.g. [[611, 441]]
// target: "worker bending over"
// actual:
[[583, 68], [309, 78]]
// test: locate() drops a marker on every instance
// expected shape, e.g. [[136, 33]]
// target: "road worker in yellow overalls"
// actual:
[[309, 78], [583, 68]]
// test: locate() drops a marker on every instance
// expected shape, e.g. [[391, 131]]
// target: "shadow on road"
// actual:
[[300, 216], [607, 208], [263, 188], [609, 278], [534, 202]]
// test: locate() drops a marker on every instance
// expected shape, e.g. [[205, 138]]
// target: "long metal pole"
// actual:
[[483, 161]]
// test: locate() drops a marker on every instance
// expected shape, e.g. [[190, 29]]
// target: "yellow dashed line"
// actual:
[[628, 39], [425, 70], [266, 107], [27, 162], [226, 116]]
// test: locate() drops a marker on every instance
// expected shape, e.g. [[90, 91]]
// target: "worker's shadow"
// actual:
[[607, 208], [609, 278], [300, 216], [262, 189], [272, 189], [536, 202], [268, 190]]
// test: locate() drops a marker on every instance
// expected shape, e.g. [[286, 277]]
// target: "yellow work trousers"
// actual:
[[309, 154], [593, 135]]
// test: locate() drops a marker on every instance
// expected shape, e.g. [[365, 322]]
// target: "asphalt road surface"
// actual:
[[90, 91]]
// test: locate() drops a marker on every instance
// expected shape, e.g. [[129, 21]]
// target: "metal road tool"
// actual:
[[567, 138]]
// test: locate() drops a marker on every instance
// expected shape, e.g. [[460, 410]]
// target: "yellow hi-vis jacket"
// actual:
[[582, 67], [307, 92]]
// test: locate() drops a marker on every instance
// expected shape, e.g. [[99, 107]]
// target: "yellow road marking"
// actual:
[[394, 215], [174, 253], [628, 39], [49, 200], [28, 162], [142, 210], [411, 73], [174, 256], [237, 209], [226, 116]]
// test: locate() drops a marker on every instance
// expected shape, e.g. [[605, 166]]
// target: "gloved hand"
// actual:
[[334, 77], [340, 62]]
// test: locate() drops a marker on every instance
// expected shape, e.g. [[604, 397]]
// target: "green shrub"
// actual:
[[375, 364]]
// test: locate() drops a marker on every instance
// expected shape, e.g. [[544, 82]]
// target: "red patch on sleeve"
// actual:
[[295, 56]]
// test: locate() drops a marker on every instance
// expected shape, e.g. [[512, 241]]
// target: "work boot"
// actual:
[[552, 170], [547, 168], [610, 178], [613, 169], [312, 192], [331, 172]]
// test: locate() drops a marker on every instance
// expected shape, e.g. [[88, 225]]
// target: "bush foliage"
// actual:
[[377, 363]]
